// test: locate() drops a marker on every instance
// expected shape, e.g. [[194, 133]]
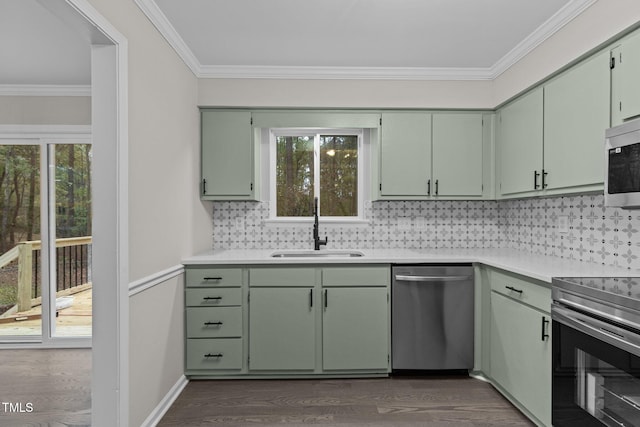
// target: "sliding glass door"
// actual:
[[45, 243]]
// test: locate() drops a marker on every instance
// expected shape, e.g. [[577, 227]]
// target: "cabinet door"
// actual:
[[576, 114], [227, 155], [282, 329], [627, 73], [520, 357], [457, 155], [405, 155], [520, 142], [355, 332]]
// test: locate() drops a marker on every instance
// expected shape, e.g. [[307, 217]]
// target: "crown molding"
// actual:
[[572, 9], [162, 24], [45, 90], [346, 73], [565, 15]]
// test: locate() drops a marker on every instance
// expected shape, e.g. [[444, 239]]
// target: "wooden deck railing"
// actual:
[[71, 266]]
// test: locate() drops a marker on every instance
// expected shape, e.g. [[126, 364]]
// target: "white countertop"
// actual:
[[539, 267]]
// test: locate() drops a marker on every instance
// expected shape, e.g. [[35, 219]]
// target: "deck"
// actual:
[[72, 321]]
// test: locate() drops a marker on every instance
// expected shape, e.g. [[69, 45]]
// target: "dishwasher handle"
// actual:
[[407, 278]]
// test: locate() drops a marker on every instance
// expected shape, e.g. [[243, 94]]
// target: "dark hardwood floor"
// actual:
[[45, 388], [396, 401]]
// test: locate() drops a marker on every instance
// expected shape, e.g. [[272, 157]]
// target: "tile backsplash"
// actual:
[[591, 232]]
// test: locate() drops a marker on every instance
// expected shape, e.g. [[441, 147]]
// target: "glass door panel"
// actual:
[[20, 260], [71, 214]]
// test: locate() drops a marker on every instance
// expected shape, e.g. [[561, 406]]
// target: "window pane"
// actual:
[[73, 239], [20, 240], [294, 176], [339, 175]]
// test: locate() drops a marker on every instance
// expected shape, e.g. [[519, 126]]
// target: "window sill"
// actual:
[[308, 222]]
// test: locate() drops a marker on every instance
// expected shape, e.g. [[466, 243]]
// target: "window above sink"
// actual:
[[328, 163]]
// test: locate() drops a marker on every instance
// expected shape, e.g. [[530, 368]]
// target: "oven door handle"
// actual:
[[611, 334], [596, 312]]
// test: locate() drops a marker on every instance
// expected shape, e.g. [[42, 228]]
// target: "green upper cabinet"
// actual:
[[228, 156], [576, 114], [405, 154], [457, 154], [625, 75], [550, 140], [431, 155], [520, 130]]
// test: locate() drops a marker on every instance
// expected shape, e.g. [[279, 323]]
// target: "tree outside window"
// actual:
[[317, 165]]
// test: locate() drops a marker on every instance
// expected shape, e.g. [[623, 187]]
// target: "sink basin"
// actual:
[[316, 254]]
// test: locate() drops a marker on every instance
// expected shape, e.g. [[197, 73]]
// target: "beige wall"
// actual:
[[157, 346], [45, 110], [166, 219], [344, 93]]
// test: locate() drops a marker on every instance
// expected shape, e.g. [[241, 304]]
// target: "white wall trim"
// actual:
[[152, 280], [546, 30], [162, 24], [565, 15], [45, 131], [344, 73], [158, 412], [45, 90]]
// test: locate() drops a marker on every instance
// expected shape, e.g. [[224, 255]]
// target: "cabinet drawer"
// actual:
[[210, 276], [356, 276], [294, 276], [212, 354], [214, 322], [536, 294], [213, 297]]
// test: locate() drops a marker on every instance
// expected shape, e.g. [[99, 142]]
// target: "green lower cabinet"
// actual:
[[355, 329], [282, 329], [521, 354]]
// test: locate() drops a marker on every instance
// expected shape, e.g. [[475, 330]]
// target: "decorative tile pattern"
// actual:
[[595, 233], [396, 224]]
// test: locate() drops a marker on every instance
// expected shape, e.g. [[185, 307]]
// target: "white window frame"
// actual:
[[315, 133]]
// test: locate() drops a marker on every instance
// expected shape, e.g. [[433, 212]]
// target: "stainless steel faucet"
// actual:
[[317, 242]]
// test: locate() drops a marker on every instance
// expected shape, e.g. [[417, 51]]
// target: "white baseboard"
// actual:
[[158, 412]]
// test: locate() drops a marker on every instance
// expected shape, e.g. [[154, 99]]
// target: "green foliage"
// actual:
[[20, 192], [295, 180]]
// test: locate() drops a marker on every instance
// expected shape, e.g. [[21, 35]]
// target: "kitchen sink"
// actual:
[[316, 254]]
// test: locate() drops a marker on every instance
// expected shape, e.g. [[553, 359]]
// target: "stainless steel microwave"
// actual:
[[622, 177]]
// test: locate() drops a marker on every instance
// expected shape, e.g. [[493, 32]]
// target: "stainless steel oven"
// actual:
[[596, 352]]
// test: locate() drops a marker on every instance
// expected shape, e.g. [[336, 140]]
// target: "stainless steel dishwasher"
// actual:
[[432, 317]]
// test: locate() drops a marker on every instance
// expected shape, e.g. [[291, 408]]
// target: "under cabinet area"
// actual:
[[520, 342], [283, 321]]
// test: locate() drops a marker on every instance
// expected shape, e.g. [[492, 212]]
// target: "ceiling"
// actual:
[[467, 39], [399, 39], [38, 46]]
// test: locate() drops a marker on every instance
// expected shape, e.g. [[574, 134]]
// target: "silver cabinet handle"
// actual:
[[402, 278]]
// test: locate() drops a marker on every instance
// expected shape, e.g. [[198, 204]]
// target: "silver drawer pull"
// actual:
[[213, 323], [217, 355], [404, 278]]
